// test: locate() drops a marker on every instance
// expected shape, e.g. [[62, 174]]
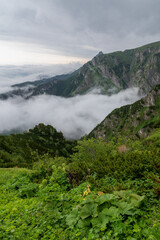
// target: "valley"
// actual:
[[105, 185]]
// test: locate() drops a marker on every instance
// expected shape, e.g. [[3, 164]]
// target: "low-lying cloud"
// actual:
[[74, 116], [10, 75]]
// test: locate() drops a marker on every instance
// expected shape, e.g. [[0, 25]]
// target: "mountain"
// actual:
[[136, 120], [111, 73], [28, 89]]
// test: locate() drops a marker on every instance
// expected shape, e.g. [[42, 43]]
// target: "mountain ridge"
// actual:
[[113, 72]]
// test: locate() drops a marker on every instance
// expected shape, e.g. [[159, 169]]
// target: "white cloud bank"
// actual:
[[74, 116], [10, 75]]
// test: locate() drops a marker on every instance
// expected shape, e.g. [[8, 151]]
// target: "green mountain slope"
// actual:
[[112, 72], [135, 120]]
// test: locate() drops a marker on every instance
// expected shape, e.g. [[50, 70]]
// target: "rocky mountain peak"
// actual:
[[99, 54]]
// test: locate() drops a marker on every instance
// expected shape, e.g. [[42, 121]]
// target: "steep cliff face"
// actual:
[[111, 73], [136, 120]]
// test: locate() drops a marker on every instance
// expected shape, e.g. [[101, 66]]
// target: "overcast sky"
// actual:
[[64, 31]]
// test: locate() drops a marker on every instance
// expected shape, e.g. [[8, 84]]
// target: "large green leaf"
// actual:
[[100, 221], [122, 194], [85, 223], [136, 200], [72, 218], [106, 198], [88, 210], [88, 200], [112, 212], [125, 207]]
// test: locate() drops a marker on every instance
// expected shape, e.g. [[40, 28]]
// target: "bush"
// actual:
[[95, 157]]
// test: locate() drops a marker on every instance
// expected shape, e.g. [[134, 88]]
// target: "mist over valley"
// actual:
[[75, 116]]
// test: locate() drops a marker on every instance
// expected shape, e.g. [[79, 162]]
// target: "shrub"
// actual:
[[101, 158]]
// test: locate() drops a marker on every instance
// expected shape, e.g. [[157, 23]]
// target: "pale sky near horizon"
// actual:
[[18, 53], [60, 31]]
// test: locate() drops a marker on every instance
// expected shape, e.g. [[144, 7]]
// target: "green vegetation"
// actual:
[[100, 190], [95, 157], [132, 121], [51, 188], [87, 189], [23, 149]]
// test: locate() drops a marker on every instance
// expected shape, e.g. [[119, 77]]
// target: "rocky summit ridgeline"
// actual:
[[111, 73]]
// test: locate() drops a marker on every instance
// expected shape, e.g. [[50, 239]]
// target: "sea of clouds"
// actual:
[[11, 74], [74, 116]]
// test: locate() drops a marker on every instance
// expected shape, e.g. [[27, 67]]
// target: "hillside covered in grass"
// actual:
[[102, 190], [106, 187], [136, 120]]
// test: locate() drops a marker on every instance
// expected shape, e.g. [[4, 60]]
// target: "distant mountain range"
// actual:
[[111, 73], [131, 121]]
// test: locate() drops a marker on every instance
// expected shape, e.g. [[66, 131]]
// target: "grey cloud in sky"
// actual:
[[81, 27]]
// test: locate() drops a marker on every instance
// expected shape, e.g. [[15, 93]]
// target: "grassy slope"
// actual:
[[40, 217], [136, 120], [38, 204]]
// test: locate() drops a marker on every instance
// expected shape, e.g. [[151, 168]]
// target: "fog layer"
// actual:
[[10, 75], [74, 116]]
